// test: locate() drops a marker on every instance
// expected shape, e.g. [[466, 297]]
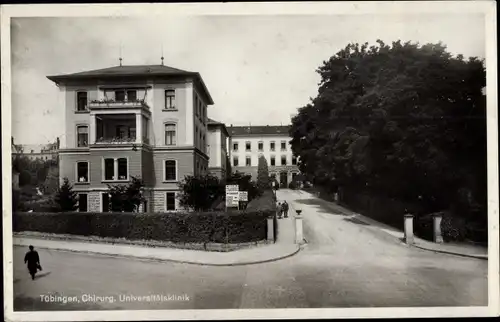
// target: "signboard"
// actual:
[[243, 196], [232, 196]]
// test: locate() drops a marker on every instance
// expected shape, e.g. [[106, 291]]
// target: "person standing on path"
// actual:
[[33, 261], [279, 210], [285, 209]]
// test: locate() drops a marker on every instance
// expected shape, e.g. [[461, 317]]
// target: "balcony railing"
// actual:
[[116, 140], [108, 103]]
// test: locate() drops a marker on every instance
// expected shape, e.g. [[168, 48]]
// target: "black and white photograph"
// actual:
[[252, 160]]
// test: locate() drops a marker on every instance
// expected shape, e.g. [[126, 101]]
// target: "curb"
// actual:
[[153, 259], [483, 257]]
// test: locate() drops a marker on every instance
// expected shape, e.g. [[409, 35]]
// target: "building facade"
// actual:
[[248, 143], [217, 149], [121, 122]]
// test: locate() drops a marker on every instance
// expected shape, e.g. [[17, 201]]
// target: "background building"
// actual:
[[36, 151], [217, 148], [133, 121], [248, 143]]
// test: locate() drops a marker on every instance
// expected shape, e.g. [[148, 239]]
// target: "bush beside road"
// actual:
[[197, 227]]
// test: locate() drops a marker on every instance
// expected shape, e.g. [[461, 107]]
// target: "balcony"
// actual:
[[119, 129]]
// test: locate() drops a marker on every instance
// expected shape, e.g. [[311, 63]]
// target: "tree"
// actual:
[[25, 178], [201, 192], [263, 174], [229, 169], [398, 120], [66, 198], [245, 183], [51, 183], [126, 198]]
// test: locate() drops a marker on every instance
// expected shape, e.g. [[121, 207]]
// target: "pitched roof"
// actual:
[[259, 130], [131, 70], [127, 70]]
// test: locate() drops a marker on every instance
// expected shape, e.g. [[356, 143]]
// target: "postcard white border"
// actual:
[[283, 8]]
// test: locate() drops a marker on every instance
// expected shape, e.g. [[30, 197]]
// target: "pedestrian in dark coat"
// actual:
[[285, 208], [33, 261]]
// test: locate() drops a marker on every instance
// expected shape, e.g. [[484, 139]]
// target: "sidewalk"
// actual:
[[283, 248], [459, 249]]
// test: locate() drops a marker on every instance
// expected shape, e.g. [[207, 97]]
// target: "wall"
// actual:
[[73, 117], [160, 116], [215, 147], [254, 154], [185, 167]]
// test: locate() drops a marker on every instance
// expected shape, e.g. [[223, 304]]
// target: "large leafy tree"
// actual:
[[403, 120]]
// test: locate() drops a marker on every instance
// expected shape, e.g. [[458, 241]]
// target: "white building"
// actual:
[[248, 143], [218, 137]]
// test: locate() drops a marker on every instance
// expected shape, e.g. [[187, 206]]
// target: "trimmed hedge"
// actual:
[[207, 227]]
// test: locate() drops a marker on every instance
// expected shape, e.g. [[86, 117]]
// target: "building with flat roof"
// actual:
[[248, 143]]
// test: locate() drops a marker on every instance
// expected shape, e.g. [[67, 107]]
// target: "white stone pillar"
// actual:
[[115, 173], [408, 226], [299, 231], [270, 229], [438, 237], [92, 129], [138, 128]]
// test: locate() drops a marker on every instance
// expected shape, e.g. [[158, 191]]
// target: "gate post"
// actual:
[[438, 237], [408, 225], [299, 233], [270, 228]]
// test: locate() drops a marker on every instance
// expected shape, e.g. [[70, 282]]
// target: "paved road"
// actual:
[[344, 264]]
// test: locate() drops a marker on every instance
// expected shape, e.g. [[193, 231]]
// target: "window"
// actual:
[[116, 169], [170, 170], [196, 105], [272, 146], [261, 146], [109, 169], [283, 145], [170, 99], [235, 161], [81, 101], [119, 96], [105, 202], [131, 96], [248, 161], [273, 161], [82, 136], [82, 202], [170, 135], [283, 160], [294, 160], [145, 206], [122, 169], [248, 146], [235, 146], [170, 201], [82, 171]]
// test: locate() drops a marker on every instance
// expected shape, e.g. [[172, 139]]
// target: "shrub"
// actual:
[[66, 198], [293, 185], [263, 174], [265, 202], [216, 227], [126, 198], [201, 192], [245, 183], [452, 228]]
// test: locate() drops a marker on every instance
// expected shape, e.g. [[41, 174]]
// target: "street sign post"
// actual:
[[243, 195], [232, 196]]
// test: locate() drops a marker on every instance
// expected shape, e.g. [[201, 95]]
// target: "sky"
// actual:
[[258, 69]]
